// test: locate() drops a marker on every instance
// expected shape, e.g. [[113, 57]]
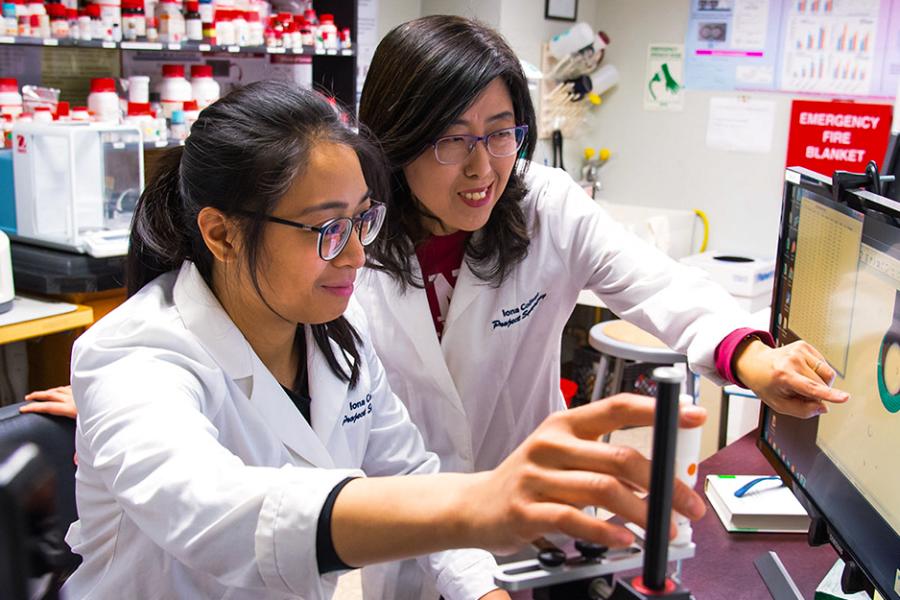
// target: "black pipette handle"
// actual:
[[659, 509]]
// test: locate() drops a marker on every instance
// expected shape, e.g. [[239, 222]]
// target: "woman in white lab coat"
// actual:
[[231, 408], [473, 346], [485, 253]]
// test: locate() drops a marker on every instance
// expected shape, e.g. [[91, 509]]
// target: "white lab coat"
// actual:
[[494, 376], [199, 478]]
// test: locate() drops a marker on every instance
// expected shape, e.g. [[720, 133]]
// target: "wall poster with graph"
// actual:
[[829, 47]]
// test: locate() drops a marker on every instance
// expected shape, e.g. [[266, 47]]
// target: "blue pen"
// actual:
[[739, 493]]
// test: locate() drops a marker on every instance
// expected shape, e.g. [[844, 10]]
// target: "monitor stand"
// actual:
[[776, 577], [779, 582]]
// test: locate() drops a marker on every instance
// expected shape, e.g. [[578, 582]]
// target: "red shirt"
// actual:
[[440, 258]]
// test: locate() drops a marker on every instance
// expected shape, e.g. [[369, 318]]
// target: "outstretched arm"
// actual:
[[540, 488]]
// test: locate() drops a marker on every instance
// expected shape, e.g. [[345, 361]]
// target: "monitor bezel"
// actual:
[[822, 185]]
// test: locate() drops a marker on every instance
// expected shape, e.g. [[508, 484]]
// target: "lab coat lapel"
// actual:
[[411, 312], [328, 392], [284, 419], [204, 317], [465, 291], [469, 325]]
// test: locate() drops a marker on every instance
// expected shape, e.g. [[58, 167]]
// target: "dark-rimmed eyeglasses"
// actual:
[[335, 233], [454, 149]]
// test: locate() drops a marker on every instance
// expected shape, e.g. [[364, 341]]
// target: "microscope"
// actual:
[[591, 573]]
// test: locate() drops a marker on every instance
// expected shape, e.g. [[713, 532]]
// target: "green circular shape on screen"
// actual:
[[891, 401]]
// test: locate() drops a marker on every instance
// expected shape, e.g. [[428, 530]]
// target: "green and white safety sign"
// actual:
[[664, 82]]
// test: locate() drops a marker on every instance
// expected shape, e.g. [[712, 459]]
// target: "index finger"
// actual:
[[47, 396], [623, 410], [806, 386]]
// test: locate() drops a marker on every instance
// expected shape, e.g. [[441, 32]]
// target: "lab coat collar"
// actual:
[[205, 318]]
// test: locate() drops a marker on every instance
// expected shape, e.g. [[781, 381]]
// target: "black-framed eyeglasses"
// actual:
[[335, 233], [454, 149]]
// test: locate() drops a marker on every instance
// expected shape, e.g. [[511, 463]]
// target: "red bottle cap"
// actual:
[[136, 109], [103, 84], [201, 71], [173, 70], [9, 84]]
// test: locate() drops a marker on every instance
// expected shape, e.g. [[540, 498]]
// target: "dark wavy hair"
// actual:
[[424, 74], [243, 153]]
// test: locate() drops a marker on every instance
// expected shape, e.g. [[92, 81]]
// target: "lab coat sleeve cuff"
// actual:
[[467, 575], [711, 330], [286, 532]]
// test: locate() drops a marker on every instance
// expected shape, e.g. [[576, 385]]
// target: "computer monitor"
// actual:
[[838, 288]]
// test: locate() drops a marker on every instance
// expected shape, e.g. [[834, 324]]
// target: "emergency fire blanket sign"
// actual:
[[829, 136]]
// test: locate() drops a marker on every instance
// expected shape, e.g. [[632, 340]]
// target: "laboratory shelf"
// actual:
[[167, 47]]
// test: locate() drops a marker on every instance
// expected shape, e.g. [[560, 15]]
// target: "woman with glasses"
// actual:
[[237, 436], [484, 254]]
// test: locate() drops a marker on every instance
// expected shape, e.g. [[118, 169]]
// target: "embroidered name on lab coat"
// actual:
[[360, 409], [516, 314]]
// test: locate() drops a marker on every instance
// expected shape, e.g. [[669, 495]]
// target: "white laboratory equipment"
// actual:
[[7, 290], [77, 185]]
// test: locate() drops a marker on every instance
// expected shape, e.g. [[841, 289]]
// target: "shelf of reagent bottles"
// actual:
[[160, 46]]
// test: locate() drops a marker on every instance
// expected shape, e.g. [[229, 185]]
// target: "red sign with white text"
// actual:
[[828, 136]]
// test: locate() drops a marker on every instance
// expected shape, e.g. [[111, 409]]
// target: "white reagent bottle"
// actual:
[[687, 457]]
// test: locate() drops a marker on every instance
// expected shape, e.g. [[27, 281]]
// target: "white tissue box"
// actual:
[[744, 276]]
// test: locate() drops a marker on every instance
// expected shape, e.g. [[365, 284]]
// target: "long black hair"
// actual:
[[424, 74], [242, 155]]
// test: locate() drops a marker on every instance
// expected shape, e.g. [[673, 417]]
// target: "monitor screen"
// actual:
[[838, 289]]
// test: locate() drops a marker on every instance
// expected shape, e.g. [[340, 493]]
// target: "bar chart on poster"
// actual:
[[831, 47]]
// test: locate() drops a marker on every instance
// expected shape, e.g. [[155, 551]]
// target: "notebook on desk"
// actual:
[[768, 506]]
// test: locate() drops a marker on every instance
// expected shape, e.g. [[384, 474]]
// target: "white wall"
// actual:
[[661, 158], [393, 12], [486, 11]]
